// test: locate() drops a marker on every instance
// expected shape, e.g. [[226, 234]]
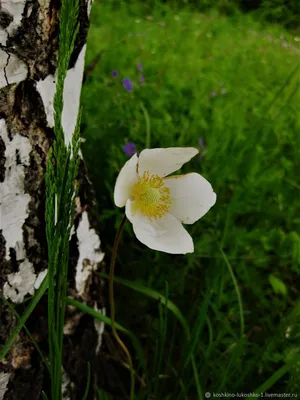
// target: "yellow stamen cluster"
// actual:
[[151, 196]]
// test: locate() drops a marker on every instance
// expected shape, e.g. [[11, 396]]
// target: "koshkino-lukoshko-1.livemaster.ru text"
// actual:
[[208, 395]]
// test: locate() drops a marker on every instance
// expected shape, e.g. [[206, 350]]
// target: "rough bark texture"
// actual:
[[28, 61]]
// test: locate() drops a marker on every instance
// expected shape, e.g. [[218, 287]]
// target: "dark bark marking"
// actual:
[[74, 255], [13, 259], [2, 160], [5, 18], [22, 384], [9, 134], [5, 94], [7, 322], [18, 158], [34, 229], [5, 265], [4, 69], [2, 245], [42, 155], [35, 44], [28, 105]]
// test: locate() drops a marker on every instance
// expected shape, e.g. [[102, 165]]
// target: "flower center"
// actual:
[[151, 196]]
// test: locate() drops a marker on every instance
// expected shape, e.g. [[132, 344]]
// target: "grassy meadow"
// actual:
[[229, 86]]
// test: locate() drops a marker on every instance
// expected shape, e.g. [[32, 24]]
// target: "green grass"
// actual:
[[61, 172], [239, 290]]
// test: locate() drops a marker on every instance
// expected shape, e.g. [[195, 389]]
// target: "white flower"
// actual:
[[157, 205]]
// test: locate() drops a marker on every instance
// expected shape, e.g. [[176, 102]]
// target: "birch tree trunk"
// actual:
[[28, 62]]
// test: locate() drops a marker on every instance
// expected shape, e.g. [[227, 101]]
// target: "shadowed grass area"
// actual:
[[235, 85]]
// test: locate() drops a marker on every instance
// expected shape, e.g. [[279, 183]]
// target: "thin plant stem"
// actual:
[[238, 293], [148, 126], [112, 304]]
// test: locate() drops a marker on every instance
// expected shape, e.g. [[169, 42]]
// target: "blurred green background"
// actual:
[[225, 72]]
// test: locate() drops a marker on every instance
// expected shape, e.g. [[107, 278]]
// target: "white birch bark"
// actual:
[[28, 60]]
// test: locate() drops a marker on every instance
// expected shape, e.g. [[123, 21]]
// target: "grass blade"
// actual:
[[281, 89], [163, 315], [45, 397], [28, 333], [154, 295], [148, 128], [198, 329], [172, 307], [275, 377], [238, 293], [88, 382], [107, 321], [34, 301]]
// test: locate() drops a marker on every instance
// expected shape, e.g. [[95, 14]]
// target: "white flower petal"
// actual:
[[126, 178], [163, 162], [192, 196], [164, 234]]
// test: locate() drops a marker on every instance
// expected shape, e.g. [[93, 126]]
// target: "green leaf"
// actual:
[[278, 286]]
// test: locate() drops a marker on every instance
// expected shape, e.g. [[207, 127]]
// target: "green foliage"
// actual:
[[285, 12], [61, 172], [233, 83], [277, 285], [227, 7]]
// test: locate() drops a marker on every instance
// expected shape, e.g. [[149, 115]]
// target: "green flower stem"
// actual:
[[112, 304]]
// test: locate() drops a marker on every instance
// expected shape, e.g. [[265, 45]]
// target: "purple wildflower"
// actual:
[[139, 66], [115, 74], [128, 85], [202, 146], [129, 149], [141, 79], [224, 91], [213, 94], [201, 143]]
